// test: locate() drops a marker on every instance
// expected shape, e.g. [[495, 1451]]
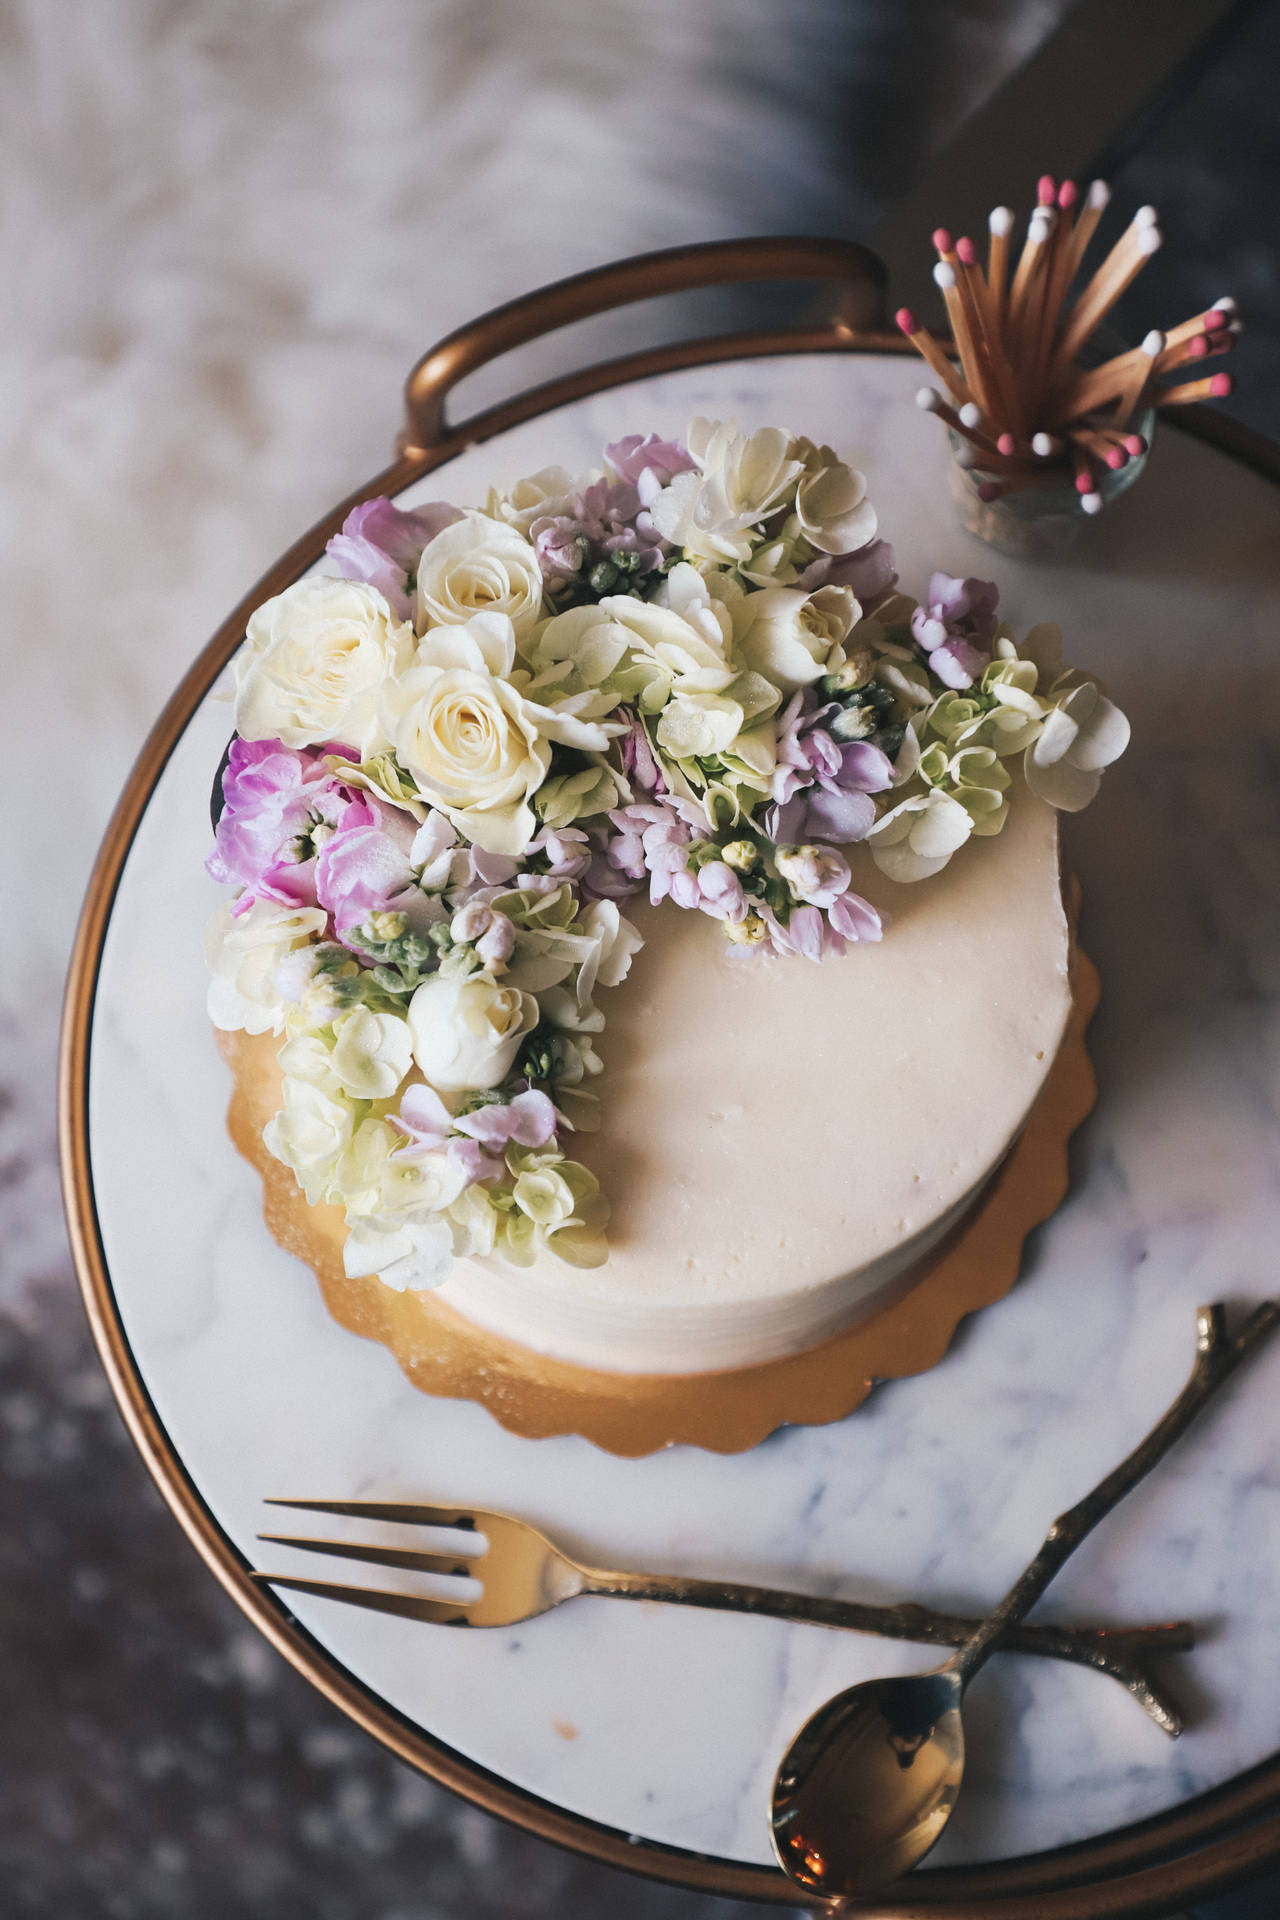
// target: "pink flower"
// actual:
[[648, 463], [364, 866], [274, 798], [529, 1120], [383, 545]]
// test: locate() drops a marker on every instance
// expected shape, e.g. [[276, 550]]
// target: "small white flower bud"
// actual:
[[748, 932], [741, 855]]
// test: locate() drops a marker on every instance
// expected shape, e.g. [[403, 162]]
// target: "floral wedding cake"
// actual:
[[660, 745]]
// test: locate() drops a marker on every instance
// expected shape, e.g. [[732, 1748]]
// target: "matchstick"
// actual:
[[1216, 387], [925, 345], [999, 228]]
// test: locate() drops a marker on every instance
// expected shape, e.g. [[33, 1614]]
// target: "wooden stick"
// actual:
[[1212, 320], [971, 361], [929, 400], [1120, 268], [998, 373], [1095, 204], [999, 228], [1086, 486], [929, 350], [1103, 447], [1099, 386], [1029, 264], [1140, 376], [1055, 281], [1216, 387]]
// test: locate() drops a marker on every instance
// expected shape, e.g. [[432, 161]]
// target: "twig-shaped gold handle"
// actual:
[[1125, 1653], [1217, 1358]]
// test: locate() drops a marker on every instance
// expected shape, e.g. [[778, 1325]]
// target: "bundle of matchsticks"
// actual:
[[1028, 411]]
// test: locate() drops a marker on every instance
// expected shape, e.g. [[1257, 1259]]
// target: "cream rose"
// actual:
[[479, 565], [314, 662], [473, 745], [244, 953], [467, 1033], [792, 637]]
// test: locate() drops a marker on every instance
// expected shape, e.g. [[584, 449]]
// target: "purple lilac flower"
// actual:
[[607, 519], [812, 935], [383, 545], [822, 786], [957, 628], [652, 839], [869, 572], [273, 796]]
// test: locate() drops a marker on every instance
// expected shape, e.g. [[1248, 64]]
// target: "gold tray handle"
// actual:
[[858, 273]]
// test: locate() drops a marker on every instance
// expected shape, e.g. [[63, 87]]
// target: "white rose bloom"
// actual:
[[1078, 739], [475, 747], [479, 565], [792, 637], [831, 503], [244, 954], [372, 1052], [467, 1033], [743, 479], [309, 1134], [916, 838], [313, 664]]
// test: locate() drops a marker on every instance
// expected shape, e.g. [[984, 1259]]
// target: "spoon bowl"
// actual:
[[869, 1782]]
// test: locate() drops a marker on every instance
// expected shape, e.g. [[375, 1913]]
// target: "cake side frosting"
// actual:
[[784, 1144]]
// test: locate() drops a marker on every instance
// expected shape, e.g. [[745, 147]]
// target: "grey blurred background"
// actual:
[[229, 229]]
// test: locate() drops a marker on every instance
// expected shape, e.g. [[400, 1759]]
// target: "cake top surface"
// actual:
[[459, 756]]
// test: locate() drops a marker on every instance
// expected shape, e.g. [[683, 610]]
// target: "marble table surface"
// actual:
[[668, 1724]]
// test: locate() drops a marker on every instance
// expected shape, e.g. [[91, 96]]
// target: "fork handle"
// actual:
[[1121, 1652]]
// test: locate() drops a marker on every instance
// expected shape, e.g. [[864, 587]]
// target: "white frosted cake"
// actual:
[[784, 1144], [687, 676]]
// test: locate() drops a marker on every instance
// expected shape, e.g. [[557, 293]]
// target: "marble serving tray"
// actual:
[[665, 1725]]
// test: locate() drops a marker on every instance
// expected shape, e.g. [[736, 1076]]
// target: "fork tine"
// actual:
[[409, 1606], [407, 1557], [414, 1515]]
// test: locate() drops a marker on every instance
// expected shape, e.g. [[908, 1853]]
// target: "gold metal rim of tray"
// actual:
[[1207, 1845]]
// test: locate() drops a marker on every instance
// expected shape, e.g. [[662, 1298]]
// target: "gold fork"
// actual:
[[523, 1575]]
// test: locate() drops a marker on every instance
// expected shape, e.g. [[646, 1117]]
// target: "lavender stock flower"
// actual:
[[957, 628]]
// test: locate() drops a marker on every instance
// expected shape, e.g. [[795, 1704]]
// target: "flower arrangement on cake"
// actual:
[[461, 753]]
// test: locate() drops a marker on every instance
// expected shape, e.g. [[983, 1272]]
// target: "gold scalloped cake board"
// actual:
[[636, 1414]]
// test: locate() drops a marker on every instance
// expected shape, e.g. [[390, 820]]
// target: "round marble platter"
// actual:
[[665, 1724]]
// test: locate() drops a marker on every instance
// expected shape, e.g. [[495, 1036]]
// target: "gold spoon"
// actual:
[[869, 1782]]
